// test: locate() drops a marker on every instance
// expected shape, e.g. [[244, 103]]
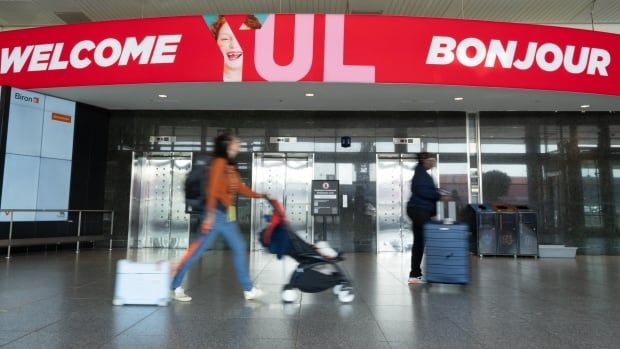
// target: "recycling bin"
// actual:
[[528, 231], [482, 220], [507, 226]]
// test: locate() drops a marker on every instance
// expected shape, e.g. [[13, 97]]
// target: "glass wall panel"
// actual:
[[566, 165], [316, 132]]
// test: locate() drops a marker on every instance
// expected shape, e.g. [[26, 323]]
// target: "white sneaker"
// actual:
[[416, 281], [254, 293], [179, 295]]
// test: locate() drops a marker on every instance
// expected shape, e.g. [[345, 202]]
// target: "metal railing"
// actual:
[[11, 214]]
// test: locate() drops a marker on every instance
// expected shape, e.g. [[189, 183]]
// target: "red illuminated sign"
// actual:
[[314, 48]]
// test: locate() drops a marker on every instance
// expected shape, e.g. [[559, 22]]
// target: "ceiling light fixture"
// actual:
[[585, 106], [309, 94], [458, 98], [162, 96]]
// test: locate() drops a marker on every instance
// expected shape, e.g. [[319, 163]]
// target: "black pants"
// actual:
[[419, 217]]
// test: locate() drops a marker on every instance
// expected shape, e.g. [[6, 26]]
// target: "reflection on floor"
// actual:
[[64, 300]]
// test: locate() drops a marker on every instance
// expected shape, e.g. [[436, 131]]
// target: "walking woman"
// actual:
[[223, 184], [421, 207]]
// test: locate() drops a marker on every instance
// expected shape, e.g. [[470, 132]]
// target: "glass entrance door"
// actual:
[[394, 173], [157, 206], [286, 177]]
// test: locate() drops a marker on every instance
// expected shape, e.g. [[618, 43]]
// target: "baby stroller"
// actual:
[[315, 272]]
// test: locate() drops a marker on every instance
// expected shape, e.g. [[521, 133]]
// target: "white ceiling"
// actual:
[[328, 96], [25, 13]]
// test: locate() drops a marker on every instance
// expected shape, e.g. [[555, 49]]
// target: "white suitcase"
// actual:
[[142, 283]]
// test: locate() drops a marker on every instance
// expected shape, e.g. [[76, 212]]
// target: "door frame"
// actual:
[[136, 204], [399, 156], [256, 156]]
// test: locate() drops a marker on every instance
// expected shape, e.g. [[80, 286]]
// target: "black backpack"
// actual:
[[195, 183]]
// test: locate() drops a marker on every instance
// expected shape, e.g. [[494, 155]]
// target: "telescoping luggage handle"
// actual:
[[450, 217]]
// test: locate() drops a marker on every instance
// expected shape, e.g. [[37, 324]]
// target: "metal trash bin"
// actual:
[[528, 231], [482, 221], [507, 230]]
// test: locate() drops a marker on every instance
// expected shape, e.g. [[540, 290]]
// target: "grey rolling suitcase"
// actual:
[[447, 253]]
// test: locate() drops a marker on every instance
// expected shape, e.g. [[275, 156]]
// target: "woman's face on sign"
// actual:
[[233, 54]]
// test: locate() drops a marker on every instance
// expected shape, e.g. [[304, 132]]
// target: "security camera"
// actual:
[[345, 142]]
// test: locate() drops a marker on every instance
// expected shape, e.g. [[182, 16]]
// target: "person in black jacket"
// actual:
[[421, 207]]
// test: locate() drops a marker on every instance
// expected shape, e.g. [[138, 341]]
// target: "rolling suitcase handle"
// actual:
[[450, 217]]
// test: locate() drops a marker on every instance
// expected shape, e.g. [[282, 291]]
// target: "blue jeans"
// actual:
[[232, 235]]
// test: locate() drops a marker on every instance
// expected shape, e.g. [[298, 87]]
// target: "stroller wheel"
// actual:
[[289, 295], [337, 289], [346, 295]]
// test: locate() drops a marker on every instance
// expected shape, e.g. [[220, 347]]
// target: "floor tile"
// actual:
[[344, 343], [9, 336], [333, 330], [337, 312], [60, 300]]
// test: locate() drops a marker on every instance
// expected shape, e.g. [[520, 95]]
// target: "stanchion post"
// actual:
[[111, 228], [77, 245], [8, 249]]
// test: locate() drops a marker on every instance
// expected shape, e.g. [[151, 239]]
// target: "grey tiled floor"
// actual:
[[63, 300]]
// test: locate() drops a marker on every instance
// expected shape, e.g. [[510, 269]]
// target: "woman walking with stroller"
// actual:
[[223, 184]]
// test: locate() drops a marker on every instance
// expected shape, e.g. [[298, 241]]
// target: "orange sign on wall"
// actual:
[[61, 117]]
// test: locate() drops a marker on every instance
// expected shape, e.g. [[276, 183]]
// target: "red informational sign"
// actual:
[[316, 48]]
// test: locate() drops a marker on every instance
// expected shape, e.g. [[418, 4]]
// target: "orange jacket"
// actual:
[[224, 183]]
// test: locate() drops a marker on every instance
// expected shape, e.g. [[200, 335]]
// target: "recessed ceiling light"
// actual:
[[458, 98], [309, 94], [585, 106], [162, 96]]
